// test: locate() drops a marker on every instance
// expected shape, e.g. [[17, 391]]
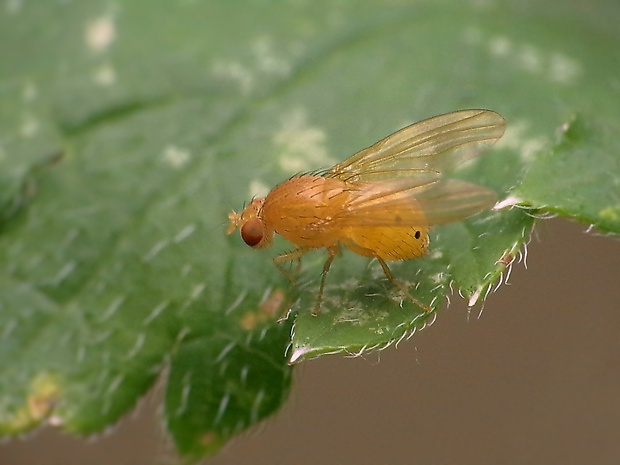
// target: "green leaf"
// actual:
[[129, 130], [577, 177]]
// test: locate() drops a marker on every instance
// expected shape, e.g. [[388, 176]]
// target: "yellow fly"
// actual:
[[380, 202]]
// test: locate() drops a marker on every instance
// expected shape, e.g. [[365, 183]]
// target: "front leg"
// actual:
[[294, 255]]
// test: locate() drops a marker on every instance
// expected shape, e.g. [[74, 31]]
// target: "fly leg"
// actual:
[[296, 255], [388, 274], [400, 285], [332, 251], [293, 256]]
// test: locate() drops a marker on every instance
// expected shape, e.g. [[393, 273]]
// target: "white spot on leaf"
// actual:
[[100, 33], [564, 69], [516, 138], [554, 66], [302, 146], [258, 189], [104, 76], [500, 46], [29, 91], [530, 59], [175, 156], [29, 127], [185, 270], [268, 60], [14, 6], [236, 72]]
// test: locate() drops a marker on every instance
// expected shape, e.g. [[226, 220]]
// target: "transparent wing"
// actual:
[[409, 202], [428, 148]]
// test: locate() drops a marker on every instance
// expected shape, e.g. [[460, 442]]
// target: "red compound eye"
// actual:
[[252, 232]]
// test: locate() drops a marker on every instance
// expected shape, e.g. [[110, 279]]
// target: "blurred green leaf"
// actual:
[[128, 131]]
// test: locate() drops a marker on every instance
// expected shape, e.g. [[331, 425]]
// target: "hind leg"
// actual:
[[389, 275], [400, 285]]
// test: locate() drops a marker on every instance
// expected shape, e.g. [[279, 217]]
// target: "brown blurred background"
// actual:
[[536, 379]]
